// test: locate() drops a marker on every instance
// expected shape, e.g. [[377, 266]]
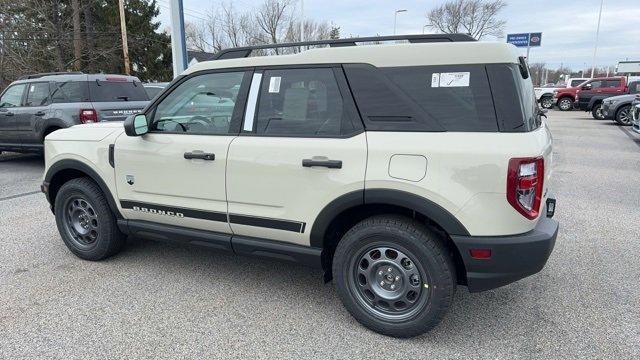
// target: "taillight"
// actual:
[[88, 116], [525, 179]]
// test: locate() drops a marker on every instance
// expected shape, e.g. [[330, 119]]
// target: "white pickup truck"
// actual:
[[544, 94]]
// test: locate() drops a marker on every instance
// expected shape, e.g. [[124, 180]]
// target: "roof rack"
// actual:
[[35, 76], [243, 52]]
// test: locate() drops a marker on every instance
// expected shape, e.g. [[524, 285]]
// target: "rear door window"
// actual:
[[613, 83], [113, 91], [13, 96], [38, 94], [302, 102]]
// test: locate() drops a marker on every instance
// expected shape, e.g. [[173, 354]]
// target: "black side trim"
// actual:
[[308, 256], [155, 231], [242, 245], [424, 206], [174, 211], [77, 165], [286, 225], [111, 155]]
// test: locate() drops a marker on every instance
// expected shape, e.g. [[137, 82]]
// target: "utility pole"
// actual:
[[125, 47], [595, 48], [395, 19], [301, 20], [178, 43]]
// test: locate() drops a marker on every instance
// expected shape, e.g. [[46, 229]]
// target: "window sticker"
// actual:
[[455, 79], [274, 84], [32, 88], [435, 80]]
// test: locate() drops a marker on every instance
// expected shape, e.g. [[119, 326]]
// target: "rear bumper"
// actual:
[[512, 257]]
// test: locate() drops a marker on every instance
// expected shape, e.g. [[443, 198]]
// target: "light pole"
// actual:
[[395, 19], [595, 48]]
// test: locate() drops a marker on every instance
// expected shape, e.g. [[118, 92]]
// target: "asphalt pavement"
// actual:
[[157, 300]]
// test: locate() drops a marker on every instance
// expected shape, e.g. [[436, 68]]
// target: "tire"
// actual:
[[623, 116], [565, 104], [546, 102], [596, 112], [365, 269], [86, 223]]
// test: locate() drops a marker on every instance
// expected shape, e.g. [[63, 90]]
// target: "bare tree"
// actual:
[[272, 18], [478, 18]]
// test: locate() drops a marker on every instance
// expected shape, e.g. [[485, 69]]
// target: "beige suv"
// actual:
[[400, 169]]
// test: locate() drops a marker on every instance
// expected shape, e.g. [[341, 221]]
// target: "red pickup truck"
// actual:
[[589, 95]]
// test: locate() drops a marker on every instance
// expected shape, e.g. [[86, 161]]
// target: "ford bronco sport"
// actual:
[[401, 170], [36, 105]]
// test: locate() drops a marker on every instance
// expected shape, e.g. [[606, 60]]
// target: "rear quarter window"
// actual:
[[457, 97], [113, 91], [69, 92]]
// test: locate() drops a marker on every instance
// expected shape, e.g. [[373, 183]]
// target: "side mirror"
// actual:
[[586, 87], [136, 125]]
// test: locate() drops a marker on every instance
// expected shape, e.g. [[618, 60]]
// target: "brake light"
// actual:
[[525, 179], [88, 116], [116, 79]]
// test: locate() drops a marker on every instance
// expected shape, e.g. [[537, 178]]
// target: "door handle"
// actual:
[[331, 164], [39, 113], [8, 113], [199, 155]]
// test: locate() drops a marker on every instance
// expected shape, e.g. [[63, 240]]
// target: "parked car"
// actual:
[[544, 94], [635, 115], [393, 168], [153, 89], [590, 95], [618, 108], [565, 98], [36, 105]]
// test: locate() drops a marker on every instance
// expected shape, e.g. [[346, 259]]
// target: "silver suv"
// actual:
[[36, 105]]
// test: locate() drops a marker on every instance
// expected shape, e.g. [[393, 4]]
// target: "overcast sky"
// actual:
[[568, 27]]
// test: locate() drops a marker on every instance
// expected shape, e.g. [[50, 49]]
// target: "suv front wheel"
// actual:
[[85, 221], [394, 275]]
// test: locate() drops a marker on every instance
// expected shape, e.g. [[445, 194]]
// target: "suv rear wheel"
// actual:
[[394, 275], [623, 116], [85, 221]]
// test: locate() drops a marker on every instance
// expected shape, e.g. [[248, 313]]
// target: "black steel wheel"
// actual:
[[394, 275], [623, 116], [81, 221], [85, 221], [387, 281]]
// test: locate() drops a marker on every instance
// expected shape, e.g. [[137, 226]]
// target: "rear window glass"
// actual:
[[69, 92], [458, 97], [112, 91]]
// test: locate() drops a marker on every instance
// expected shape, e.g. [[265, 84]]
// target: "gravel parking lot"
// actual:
[[157, 300]]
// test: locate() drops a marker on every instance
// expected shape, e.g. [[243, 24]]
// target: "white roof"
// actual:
[[384, 55]]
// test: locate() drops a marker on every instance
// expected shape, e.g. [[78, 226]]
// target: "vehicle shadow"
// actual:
[[22, 158], [470, 314]]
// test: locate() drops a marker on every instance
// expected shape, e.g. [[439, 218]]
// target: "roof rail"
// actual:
[[35, 76], [243, 52]]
